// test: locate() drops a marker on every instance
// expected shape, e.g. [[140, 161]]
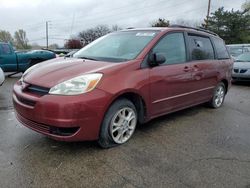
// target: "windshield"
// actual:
[[235, 51], [117, 47], [243, 58]]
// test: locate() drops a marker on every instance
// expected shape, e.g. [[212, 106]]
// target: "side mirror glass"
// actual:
[[156, 59]]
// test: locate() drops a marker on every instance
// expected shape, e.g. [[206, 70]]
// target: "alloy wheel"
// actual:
[[219, 96], [123, 125]]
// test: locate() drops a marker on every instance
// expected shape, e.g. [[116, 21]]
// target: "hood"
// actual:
[[242, 65], [52, 72]]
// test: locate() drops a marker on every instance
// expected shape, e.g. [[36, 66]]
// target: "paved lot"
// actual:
[[197, 147]]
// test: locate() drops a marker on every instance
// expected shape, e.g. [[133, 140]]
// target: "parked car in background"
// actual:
[[70, 54], [122, 79], [11, 61], [2, 77], [241, 69], [237, 49]]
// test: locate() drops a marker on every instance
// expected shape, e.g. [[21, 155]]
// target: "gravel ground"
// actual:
[[197, 147]]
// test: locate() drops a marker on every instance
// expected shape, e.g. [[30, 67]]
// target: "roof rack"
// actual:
[[197, 29]]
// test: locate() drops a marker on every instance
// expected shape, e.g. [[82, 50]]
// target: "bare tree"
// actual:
[[5, 36], [91, 34], [116, 28], [21, 40]]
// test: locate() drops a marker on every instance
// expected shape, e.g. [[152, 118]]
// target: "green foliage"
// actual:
[[161, 22], [246, 7], [232, 26]]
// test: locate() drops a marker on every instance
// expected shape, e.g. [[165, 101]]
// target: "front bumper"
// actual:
[[65, 118], [2, 77], [241, 74]]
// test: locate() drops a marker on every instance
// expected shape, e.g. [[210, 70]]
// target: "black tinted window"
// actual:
[[172, 46], [221, 49], [201, 48]]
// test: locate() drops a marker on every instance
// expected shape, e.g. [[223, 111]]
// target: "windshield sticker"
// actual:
[[147, 34]]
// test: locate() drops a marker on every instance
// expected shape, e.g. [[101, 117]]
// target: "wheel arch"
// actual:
[[225, 82], [137, 99]]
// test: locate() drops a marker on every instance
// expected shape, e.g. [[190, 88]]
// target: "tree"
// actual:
[[73, 44], [5, 36], [116, 28], [91, 34], [232, 26], [161, 22], [21, 41], [246, 7]]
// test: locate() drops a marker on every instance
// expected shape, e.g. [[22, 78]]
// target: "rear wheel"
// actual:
[[119, 124], [218, 96]]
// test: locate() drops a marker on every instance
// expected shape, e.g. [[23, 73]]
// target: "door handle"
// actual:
[[196, 67], [187, 69]]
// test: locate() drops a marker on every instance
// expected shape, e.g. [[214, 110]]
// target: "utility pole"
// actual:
[[208, 11], [47, 34]]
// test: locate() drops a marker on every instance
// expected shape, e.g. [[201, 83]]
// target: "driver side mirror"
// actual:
[[156, 59]]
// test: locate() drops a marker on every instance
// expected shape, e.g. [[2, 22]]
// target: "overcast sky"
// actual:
[[68, 17]]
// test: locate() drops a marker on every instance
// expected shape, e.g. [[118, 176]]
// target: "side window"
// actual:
[[201, 47], [5, 49], [172, 46], [221, 49]]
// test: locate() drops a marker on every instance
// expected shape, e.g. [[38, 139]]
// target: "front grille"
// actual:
[[236, 70], [243, 70], [37, 90], [47, 129]]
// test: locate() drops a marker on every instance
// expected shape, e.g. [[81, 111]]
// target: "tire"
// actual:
[[218, 96], [118, 124]]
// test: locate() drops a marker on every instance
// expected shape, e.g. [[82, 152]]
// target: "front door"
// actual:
[[170, 82], [8, 60]]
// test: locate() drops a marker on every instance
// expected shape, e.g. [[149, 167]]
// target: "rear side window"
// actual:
[[172, 46], [221, 49], [5, 49], [201, 47]]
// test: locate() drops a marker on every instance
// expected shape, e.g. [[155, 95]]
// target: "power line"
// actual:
[[60, 36], [104, 15], [149, 12]]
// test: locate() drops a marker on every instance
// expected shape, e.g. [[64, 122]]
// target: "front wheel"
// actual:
[[119, 124], [218, 96]]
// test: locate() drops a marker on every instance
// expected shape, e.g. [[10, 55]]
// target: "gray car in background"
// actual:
[[238, 49], [241, 68]]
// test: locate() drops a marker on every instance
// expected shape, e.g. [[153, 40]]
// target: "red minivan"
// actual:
[[122, 79]]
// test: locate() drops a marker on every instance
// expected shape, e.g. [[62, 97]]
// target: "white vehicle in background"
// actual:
[[238, 49], [2, 77]]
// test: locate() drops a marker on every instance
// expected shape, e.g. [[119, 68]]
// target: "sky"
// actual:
[[68, 17]]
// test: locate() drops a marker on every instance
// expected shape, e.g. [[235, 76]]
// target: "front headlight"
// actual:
[[77, 85]]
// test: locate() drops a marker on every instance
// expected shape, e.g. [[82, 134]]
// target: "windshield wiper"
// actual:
[[89, 58]]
